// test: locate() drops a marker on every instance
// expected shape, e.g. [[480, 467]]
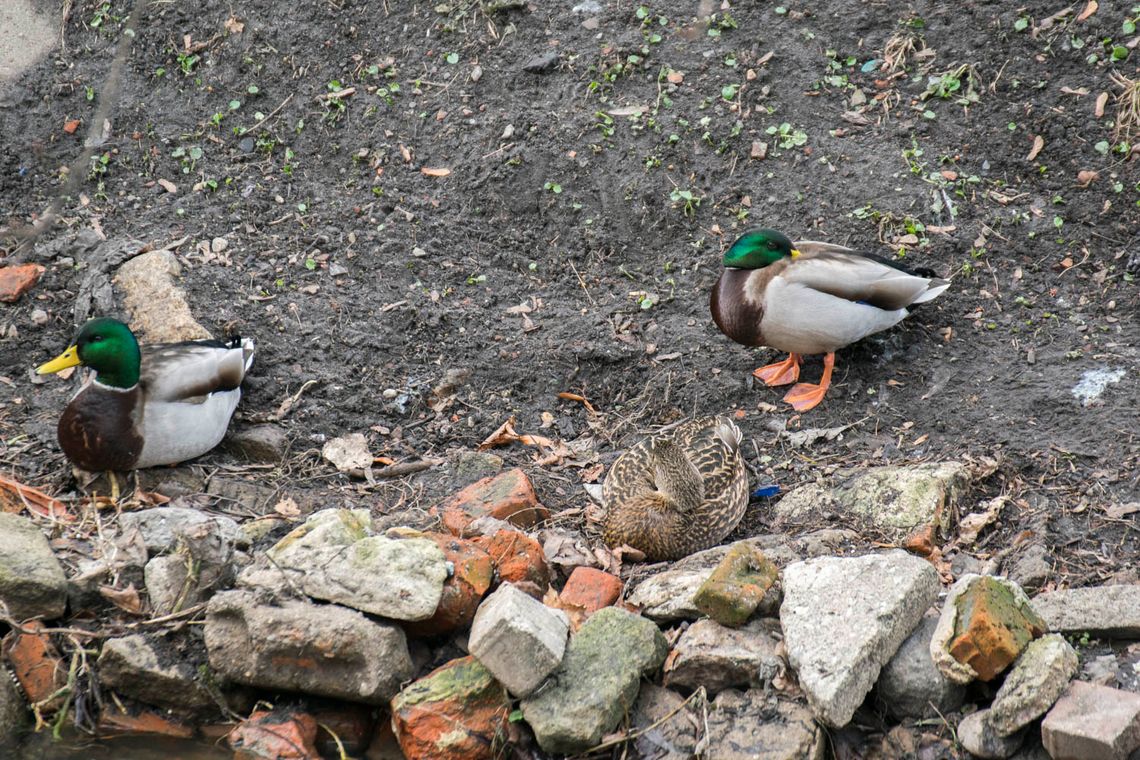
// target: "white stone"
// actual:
[[519, 639], [1037, 679], [844, 618], [1109, 611]]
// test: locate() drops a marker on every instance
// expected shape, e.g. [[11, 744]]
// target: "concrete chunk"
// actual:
[[519, 639], [718, 657], [1036, 680], [1091, 721], [32, 582], [1108, 611]]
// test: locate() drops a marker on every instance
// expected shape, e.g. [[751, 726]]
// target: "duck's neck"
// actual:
[[735, 313]]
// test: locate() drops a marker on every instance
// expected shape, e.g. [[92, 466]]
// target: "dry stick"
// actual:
[[267, 117], [405, 468], [633, 735], [107, 97]]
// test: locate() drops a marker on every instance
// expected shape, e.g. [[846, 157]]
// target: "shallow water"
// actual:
[[125, 748]]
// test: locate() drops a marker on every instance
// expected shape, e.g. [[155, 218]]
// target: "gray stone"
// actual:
[[259, 443], [1031, 567], [1109, 611], [326, 528], [664, 727], [1092, 722], [519, 639], [897, 500], [476, 465], [981, 740], [844, 618], [150, 670], [755, 725], [318, 649], [243, 493], [669, 595], [13, 713], [1037, 679], [32, 582], [717, 657], [597, 682], [38, 32], [911, 686], [164, 529], [168, 585]]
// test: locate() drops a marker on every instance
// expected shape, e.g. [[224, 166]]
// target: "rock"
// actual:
[[897, 500], [456, 712], [1031, 567], [344, 727], [737, 585], [985, 624], [1091, 721], [156, 306], [1036, 681], [147, 668], [844, 618], [520, 640], [279, 735], [717, 657], [168, 584], [518, 560], [266, 444], [18, 280], [754, 725], [164, 528], [980, 739], [32, 582], [590, 589], [664, 727], [1109, 611], [400, 579], [598, 680], [541, 63], [670, 595], [910, 682], [326, 528], [473, 465], [470, 578], [36, 663], [508, 496], [278, 647], [244, 493], [13, 713]]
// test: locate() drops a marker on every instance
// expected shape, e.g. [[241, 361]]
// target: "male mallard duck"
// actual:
[[809, 298], [678, 492], [161, 404]]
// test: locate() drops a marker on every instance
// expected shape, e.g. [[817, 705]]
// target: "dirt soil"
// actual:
[[447, 213]]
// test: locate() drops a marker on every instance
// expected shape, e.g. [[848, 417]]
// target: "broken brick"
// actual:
[[463, 589], [117, 720], [590, 589], [519, 560], [456, 712], [35, 662], [279, 735], [736, 586], [1089, 721], [507, 496], [992, 627], [18, 280]]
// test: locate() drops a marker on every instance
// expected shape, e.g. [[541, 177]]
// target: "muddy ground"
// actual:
[[527, 199]]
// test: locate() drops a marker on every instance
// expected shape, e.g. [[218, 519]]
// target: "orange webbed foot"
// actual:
[[780, 373], [804, 396]]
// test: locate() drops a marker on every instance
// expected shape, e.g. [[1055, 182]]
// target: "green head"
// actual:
[[757, 249], [106, 346]]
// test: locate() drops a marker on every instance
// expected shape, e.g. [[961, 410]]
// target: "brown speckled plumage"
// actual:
[[639, 511]]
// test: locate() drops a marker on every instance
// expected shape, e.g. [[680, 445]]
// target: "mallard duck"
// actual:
[[678, 492], [809, 298], [161, 404]]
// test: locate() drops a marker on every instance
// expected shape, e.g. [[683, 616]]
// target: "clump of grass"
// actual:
[[905, 44], [1127, 109]]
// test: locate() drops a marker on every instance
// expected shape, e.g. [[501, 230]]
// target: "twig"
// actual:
[[268, 116], [700, 692], [405, 468]]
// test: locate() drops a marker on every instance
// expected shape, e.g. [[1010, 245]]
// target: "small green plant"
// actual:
[[188, 157], [686, 200], [99, 166], [187, 62], [476, 279], [101, 16], [1021, 24], [553, 187], [787, 136]]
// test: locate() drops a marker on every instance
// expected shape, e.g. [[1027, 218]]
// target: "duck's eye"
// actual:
[[771, 245], [96, 338]]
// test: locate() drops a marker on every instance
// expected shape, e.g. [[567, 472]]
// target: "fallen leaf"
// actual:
[[288, 507], [1086, 177], [675, 77], [765, 58], [233, 26], [856, 118], [1117, 511], [628, 111], [973, 524], [15, 497], [168, 186], [1079, 92], [576, 397], [1038, 144], [430, 172], [574, 613], [126, 599], [1089, 10], [348, 452], [1101, 102], [566, 551]]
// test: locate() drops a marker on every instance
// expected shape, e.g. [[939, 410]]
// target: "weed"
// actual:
[[948, 84], [1127, 109], [553, 187], [188, 157], [686, 200], [902, 46], [99, 166], [788, 136], [187, 62]]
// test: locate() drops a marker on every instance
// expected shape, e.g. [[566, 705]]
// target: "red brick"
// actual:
[[279, 735], [519, 560], [462, 591], [35, 662], [18, 280], [992, 627], [456, 712], [1092, 721], [507, 496], [590, 589]]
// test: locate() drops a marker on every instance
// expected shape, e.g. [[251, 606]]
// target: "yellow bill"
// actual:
[[795, 253], [68, 358]]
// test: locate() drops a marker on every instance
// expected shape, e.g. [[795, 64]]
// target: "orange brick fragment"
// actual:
[[18, 280], [507, 496], [992, 628], [519, 560], [591, 589], [70, 126], [281, 735], [35, 662], [462, 591]]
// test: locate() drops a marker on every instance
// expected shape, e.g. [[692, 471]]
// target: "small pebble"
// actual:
[[219, 244], [39, 317], [390, 393]]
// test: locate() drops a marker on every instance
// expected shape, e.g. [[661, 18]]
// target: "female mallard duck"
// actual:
[[809, 298], [160, 404], [677, 493]]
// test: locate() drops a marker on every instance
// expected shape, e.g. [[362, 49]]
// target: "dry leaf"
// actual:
[[430, 172], [168, 186], [765, 58], [1089, 10], [126, 599], [1101, 102], [15, 497], [1086, 177], [288, 507], [1080, 91], [1118, 511], [349, 452], [628, 111], [1038, 144], [233, 26], [972, 524], [675, 77]]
